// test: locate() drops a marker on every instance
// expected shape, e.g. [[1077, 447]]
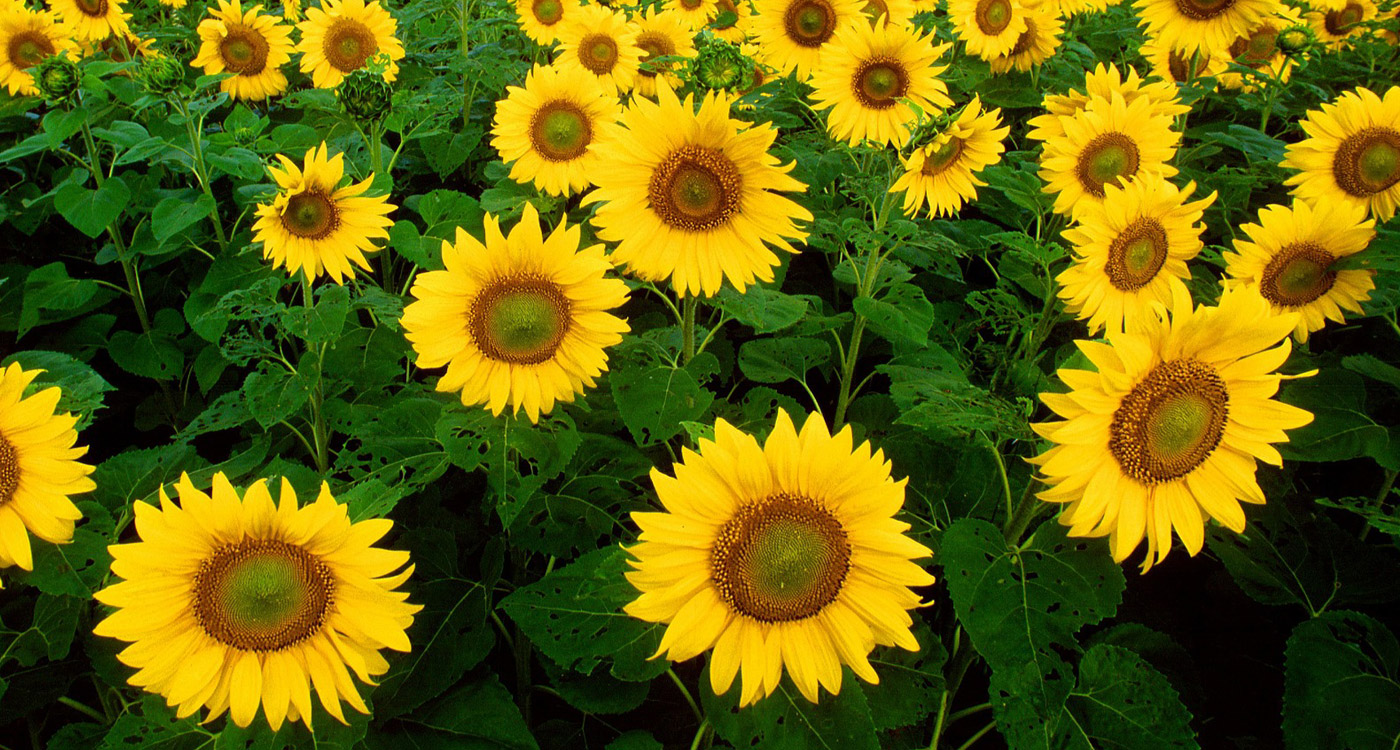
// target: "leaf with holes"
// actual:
[[787, 721], [1122, 703], [653, 401], [1341, 684]]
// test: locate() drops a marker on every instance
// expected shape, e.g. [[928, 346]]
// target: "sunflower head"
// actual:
[[719, 65], [365, 96], [1296, 40], [57, 78], [162, 74]]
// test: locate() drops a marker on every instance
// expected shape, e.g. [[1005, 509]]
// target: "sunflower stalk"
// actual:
[[865, 287], [688, 305], [200, 168], [133, 278], [963, 654], [320, 435]]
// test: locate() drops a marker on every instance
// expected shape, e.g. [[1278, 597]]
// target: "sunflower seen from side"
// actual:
[[342, 35], [694, 197], [232, 603], [872, 78], [543, 20], [1130, 253], [988, 28], [1206, 25], [1101, 83], [794, 33], [1351, 154], [1177, 66], [316, 227], [1291, 256], [27, 38], [778, 557], [547, 127], [943, 174], [1168, 431], [1107, 141], [660, 35], [92, 20], [250, 45], [1035, 45]]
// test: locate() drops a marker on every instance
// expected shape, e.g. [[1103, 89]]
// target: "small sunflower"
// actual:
[[543, 20], [1034, 46], [1168, 431], [737, 30], [1207, 25], [1176, 66], [601, 42], [1351, 154], [546, 128], [342, 35], [943, 174], [1101, 83], [893, 12], [1067, 8], [252, 46], [1290, 256], [1335, 27], [177, 4], [1107, 141], [521, 320], [1260, 51], [780, 557], [660, 35], [870, 76], [695, 13], [315, 227], [233, 604], [118, 47], [694, 198], [27, 38], [39, 468], [91, 20], [989, 28], [1130, 253], [794, 33]]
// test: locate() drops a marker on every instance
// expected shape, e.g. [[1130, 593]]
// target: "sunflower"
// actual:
[[521, 320], [870, 76], [232, 603], [26, 38], [695, 13], [342, 35], [543, 20], [118, 47], [601, 42], [1207, 25], [91, 20], [893, 12], [736, 31], [1034, 46], [1106, 141], [39, 468], [313, 226], [546, 128], [291, 10], [1175, 66], [1259, 50], [1067, 8], [660, 35], [1168, 430], [793, 33], [943, 173], [989, 28], [1290, 261], [1335, 27], [780, 556], [252, 46], [1101, 83], [694, 197], [1130, 252], [1351, 154], [177, 4]]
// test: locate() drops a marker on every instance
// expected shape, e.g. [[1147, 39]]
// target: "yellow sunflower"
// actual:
[[91, 20], [232, 603], [1101, 83], [1335, 27], [342, 35], [870, 76], [1351, 154], [39, 468], [118, 48], [660, 35], [1175, 66], [1067, 8], [252, 46], [1207, 25], [543, 20], [893, 12], [794, 33], [780, 557], [26, 39], [989, 28], [1130, 253], [1167, 432], [1259, 50], [736, 31], [695, 13], [291, 10], [1034, 46], [601, 42], [315, 227], [1107, 141], [1290, 256], [694, 197], [943, 174], [546, 128], [521, 320], [177, 4]]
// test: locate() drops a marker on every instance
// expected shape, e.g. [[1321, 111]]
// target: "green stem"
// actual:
[[963, 655], [688, 305], [694, 707], [866, 287], [980, 734], [320, 436], [1026, 510], [966, 712], [133, 279], [80, 708], [201, 170], [1378, 502], [700, 735]]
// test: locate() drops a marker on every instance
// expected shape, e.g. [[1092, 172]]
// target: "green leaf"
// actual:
[[173, 215], [60, 124], [83, 389], [597, 693], [274, 394], [480, 715], [1121, 701], [637, 739], [324, 321], [910, 682], [451, 634], [1341, 684], [137, 474], [574, 616], [91, 211], [50, 289], [1342, 427], [780, 360], [152, 355], [935, 395], [653, 401], [902, 315], [787, 721], [763, 309], [238, 162], [49, 636], [73, 569]]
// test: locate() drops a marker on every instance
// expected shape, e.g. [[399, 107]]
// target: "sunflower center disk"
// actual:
[[28, 49], [940, 159], [810, 22], [1136, 255], [1298, 274], [520, 321], [560, 131], [1025, 41], [781, 559], [993, 16], [654, 46], [1203, 10], [1107, 158], [244, 51], [1257, 49], [547, 12], [348, 45], [262, 595], [598, 53], [1170, 422], [1368, 162], [1339, 22], [1180, 66], [879, 84], [94, 8], [310, 215], [695, 189], [9, 470]]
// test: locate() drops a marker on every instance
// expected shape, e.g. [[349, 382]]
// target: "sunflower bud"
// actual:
[[365, 95], [162, 74], [57, 78], [719, 65], [1296, 40]]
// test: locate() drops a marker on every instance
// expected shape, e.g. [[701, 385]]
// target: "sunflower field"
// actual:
[[754, 374]]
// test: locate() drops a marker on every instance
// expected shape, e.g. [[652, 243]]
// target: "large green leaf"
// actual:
[[82, 388], [787, 721], [911, 683], [1122, 702], [480, 715], [1342, 684], [90, 211], [653, 401]]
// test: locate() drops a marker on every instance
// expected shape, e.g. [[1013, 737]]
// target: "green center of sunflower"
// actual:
[[94, 8], [1340, 22], [1107, 158], [262, 594], [1180, 65], [1368, 161], [1025, 41], [348, 44], [547, 12], [993, 16], [878, 83], [29, 48], [695, 189], [940, 159], [244, 51], [520, 320], [780, 559], [1203, 10], [1298, 274], [560, 131], [1170, 422], [1256, 49], [1136, 255], [311, 215], [598, 53], [809, 23], [9, 470], [653, 45]]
